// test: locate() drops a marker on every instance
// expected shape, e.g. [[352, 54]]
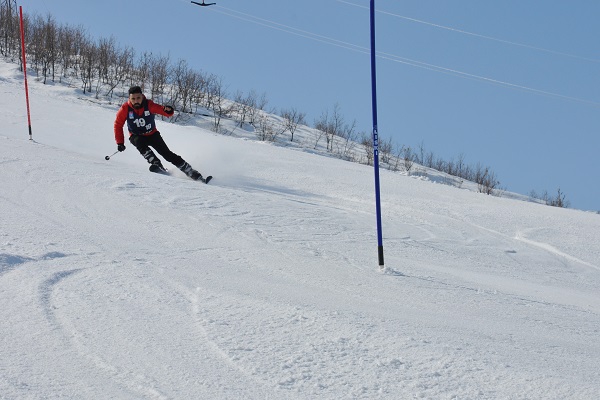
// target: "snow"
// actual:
[[119, 283]]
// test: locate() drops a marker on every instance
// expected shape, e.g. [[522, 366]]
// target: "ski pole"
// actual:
[[108, 157]]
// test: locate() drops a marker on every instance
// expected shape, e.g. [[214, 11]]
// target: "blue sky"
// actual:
[[512, 84]]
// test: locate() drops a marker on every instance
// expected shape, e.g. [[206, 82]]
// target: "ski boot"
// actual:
[[189, 171], [157, 167]]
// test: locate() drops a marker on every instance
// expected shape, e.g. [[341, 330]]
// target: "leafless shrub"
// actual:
[[558, 201], [89, 57], [486, 180], [9, 29], [408, 159], [292, 118], [385, 150], [369, 150], [268, 129]]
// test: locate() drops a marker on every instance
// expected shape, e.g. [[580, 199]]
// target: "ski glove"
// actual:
[[169, 110], [121, 147]]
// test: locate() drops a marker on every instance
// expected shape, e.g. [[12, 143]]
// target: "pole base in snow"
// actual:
[[380, 253]]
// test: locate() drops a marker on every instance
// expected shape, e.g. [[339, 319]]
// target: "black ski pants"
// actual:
[[143, 144]]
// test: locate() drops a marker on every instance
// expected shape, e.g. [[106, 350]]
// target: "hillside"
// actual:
[[118, 283]]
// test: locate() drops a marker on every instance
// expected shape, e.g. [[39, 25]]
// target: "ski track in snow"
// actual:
[[133, 384], [551, 249]]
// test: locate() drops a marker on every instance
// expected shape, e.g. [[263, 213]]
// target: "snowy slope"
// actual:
[[122, 284]]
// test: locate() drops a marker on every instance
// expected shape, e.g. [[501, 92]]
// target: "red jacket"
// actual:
[[122, 117]]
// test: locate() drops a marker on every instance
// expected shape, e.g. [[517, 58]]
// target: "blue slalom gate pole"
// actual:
[[376, 138]]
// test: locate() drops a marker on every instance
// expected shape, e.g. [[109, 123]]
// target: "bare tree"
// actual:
[[257, 104], [396, 158], [66, 49], [261, 102], [139, 77], [268, 129], [428, 161], [440, 164], [89, 56], [9, 28], [245, 107], [420, 154], [158, 76], [120, 69], [319, 133], [408, 158], [367, 143], [349, 136], [292, 118], [331, 125], [325, 128], [217, 99], [385, 150], [50, 31], [460, 165], [185, 83], [558, 201], [106, 60], [486, 180], [43, 47]]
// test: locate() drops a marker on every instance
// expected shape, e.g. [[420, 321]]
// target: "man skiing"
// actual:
[[138, 112]]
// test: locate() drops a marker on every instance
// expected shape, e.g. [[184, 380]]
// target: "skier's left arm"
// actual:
[[166, 111]]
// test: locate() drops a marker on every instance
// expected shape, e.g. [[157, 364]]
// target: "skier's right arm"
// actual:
[[119, 122]]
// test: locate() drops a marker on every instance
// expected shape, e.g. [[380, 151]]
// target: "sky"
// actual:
[[512, 85], [117, 283]]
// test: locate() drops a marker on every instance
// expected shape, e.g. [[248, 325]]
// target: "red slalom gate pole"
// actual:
[[25, 70]]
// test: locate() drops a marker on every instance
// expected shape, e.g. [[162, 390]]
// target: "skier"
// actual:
[[139, 114]]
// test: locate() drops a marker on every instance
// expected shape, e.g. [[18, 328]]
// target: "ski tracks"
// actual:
[[29, 287], [217, 358], [520, 236], [121, 380]]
